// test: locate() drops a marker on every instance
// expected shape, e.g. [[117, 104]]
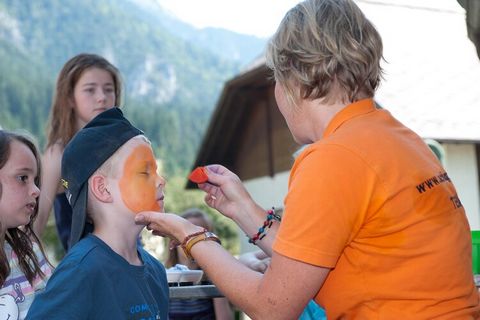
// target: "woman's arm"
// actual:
[[281, 293], [51, 170]]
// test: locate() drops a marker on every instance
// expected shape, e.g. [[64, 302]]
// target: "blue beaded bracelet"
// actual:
[[262, 231]]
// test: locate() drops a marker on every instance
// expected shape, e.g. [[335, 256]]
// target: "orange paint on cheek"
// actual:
[[138, 184]]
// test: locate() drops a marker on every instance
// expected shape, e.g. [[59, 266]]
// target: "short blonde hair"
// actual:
[[110, 167], [321, 44]]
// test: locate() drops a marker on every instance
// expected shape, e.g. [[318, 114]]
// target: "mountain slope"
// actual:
[[173, 73], [225, 44]]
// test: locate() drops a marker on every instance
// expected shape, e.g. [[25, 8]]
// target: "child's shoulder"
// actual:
[[86, 254]]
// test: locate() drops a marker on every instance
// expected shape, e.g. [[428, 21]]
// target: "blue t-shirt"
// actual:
[[94, 282]]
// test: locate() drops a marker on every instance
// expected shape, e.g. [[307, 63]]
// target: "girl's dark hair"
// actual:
[[21, 239]]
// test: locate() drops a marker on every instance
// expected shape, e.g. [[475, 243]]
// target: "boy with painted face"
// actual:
[[110, 174]]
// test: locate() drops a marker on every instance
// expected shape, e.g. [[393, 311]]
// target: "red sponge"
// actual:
[[198, 175]]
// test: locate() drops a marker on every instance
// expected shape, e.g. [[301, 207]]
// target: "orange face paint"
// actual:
[[138, 184]]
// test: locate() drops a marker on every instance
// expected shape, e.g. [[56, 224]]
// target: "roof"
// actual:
[[472, 9], [234, 107], [432, 74]]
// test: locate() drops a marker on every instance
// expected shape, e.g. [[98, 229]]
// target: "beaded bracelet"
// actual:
[[262, 231], [190, 236]]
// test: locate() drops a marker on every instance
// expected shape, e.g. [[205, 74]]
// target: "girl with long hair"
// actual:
[[24, 268], [87, 85]]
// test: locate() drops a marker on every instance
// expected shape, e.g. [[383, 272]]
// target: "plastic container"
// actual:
[[174, 275], [193, 276], [476, 251]]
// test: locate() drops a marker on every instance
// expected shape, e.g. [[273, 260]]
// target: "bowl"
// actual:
[[193, 276], [174, 275]]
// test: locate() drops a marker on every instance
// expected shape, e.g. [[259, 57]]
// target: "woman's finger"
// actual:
[[148, 217], [210, 200], [158, 233]]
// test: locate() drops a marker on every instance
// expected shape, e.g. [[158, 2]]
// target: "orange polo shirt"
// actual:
[[372, 202]]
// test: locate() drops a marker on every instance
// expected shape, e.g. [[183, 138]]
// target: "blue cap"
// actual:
[[84, 154]]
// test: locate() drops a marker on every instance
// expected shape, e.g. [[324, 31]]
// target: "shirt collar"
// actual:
[[353, 110]]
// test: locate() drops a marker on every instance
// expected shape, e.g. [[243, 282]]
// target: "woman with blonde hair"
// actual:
[[365, 232]]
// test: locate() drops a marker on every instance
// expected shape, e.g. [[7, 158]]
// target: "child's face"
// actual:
[[93, 93], [140, 185], [18, 190]]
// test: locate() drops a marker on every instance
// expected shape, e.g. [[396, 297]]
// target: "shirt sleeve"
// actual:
[[329, 194], [66, 296]]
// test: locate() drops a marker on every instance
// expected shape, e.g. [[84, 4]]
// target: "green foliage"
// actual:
[[24, 101], [171, 83], [52, 243], [173, 75]]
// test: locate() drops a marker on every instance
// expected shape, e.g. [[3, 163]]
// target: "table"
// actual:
[[197, 291]]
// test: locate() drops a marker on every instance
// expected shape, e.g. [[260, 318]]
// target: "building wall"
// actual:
[[461, 165], [265, 145], [267, 192]]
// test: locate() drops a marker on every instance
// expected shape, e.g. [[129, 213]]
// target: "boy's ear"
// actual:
[[99, 188]]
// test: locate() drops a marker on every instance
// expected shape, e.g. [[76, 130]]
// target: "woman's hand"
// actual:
[[225, 191], [227, 194], [257, 260], [167, 225]]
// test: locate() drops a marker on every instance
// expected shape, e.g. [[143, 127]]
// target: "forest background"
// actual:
[[173, 75]]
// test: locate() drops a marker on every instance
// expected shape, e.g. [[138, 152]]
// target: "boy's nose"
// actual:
[[161, 182]]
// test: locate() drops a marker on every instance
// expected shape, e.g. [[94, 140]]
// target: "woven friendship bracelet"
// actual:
[[267, 224]]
